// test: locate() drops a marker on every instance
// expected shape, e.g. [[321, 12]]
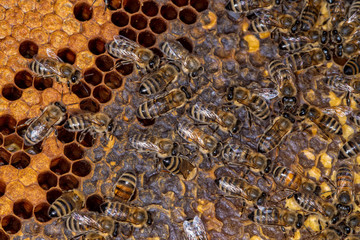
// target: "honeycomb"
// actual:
[[31, 178]]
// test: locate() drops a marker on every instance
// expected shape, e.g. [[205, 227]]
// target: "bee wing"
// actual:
[[175, 50], [338, 110], [189, 230], [53, 55], [267, 93], [206, 111], [199, 228], [126, 47], [87, 220]]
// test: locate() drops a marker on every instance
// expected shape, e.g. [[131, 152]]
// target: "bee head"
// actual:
[[175, 149], [154, 62], [300, 221], [75, 77], [261, 199], [230, 94], [197, 73], [268, 166], [344, 198], [236, 127], [216, 152], [149, 219], [356, 86], [304, 109]]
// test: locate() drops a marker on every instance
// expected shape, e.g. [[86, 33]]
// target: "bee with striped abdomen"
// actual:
[[67, 203], [125, 187], [244, 6], [345, 189], [308, 17], [180, 166], [306, 59], [352, 67], [351, 148], [194, 229]]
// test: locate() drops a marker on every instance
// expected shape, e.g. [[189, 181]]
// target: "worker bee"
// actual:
[[344, 188], [67, 203], [163, 104], [306, 59], [180, 166], [353, 220], [93, 123], [190, 64], [157, 81], [53, 66], [213, 115], [274, 135], [244, 6], [238, 187], [292, 44], [327, 234], [121, 212], [351, 148], [125, 186], [41, 127], [131, 52], [261, 24], [348, 28], [279, 72], [194, 229], [355, 118], [352, 67], [308, 17], [353, 11]]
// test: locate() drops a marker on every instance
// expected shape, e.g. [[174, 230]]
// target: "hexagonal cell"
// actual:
[[102, 94], [90, 105], [146, 122], [113, 80], [20, 160], [81, 168], [67, 55], [128, 33], [169, 12], [42, 83], [53, 194], [11, 224], [74, 151], [186, 43], [2, 188], [11, 92], [114, 4], [82, 90], [13, 143], [33, 150], [23, 79], [132, 6], [96, 46], [23, 209], [7, 124], [150, 8], [28, 49], [138, 21], [187, 16], [180, 3], [47, 180], [93, 76], [124, 69], [83, 11], [93, 203], [104, 63], [3, 235], [158, 25], [68, 182], [41, 212], [4, 157], [120, 19], [157, 52], [60, 166], [199, 5], [146, 39], [88, 140], [65, 136]]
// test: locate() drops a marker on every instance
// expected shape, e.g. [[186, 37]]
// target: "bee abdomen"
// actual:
[[349, 150], [146, 111], [77, 123], [152, 85], [331, 125], [60, 208], [351, 67], [125, 187], [260, 108], [116, 210], [172, 164]]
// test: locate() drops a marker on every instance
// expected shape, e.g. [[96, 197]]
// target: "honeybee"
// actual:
[[308, 17], [348, 28], [190, 64], [136, 216], [353, 11], [180, 166], [355, 118], [157, 81], [53, 66], [41, 127], [351, 148], [274, 135], [163, 104], [211, 114], [327, 234], [261, 24], [352, 67], [342, 84], [131, 52], [67, 203], [292, 44], [306, 59], [194, 229], [244, 6], [353, 220], [238, 187], [125, 187], [344, 188]]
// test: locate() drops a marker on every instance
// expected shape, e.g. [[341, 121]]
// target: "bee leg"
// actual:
[[56, 134], [83, 134], [27, 123], [249, 118]]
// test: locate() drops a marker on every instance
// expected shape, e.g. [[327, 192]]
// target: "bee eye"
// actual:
[[110, 127], [73, 79], [151, 64]]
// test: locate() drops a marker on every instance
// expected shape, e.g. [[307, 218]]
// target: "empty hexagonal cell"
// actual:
[[104, 63], [128, 33], [88, 140], [41, 212], [102, 94], [93, 76], [23, 79], [180, 3], [20, 160], [42, 83], [158, 25], [120, 19], [187, 16], [138, 21], [7, 124], [150, 8], [68, 182], [4, 157], [65, 136], [47, 180], [169, 12], [82, 90], [2, 187], [93, 203], [74, 151], [90, 105], [83, 11], [13, 143], [81, 168], [97, 46], [28, 49], [113, 80], [53, 194], [146, 39], [199, 5], [186, 43], [11, 92], [124, 69], [11, 224], [60, 166], [23, 209], [146, 122], [132, 6], [3, 235], [67, 55]]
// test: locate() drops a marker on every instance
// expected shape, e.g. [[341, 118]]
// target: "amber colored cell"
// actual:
[[20, 160], [15, 16], [186, 43], [93, 76], [8, 173], [120, 19], [102, 94], [42, 83], [187, 16], [131, 6], [158, 25], [67, 55], [168, 12], [104, 63], [11, 92], [39, 35], [78, 42], [73, 151], [113, 80], [83, 11], [9, 46], [2, 13], [44, 6], [5, 29], [51, 22], [23, 209], [41, 212], [199, 5], [20, 32], [68, 182], [2, 188], [180, 3], [27, 176], [91, 29], [23, 79], [60, 166], [82, 90], [31, 97], [65, 136], [84, 59], [128, 33], [19, 109], [81, 168], [146, 122], [7, 124], [15, 190], [11, 224], [53, 194], [146, 39], [138, 21], [71, 26], [64, 9], [13, 143], [88, 140], [47, 180], [150, 8], [124, 69], [90, 104], [58, 39], [3, 235], [93, 203], [97, 46]]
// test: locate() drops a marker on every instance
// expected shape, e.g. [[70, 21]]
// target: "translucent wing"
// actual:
[[87, 220], [341, 111], [126, 47], [267, 93], [53, 55], [189, 134], [47, 65], [189, 230], [175, 50], [199, 228], [206, 111], [145, 143]]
